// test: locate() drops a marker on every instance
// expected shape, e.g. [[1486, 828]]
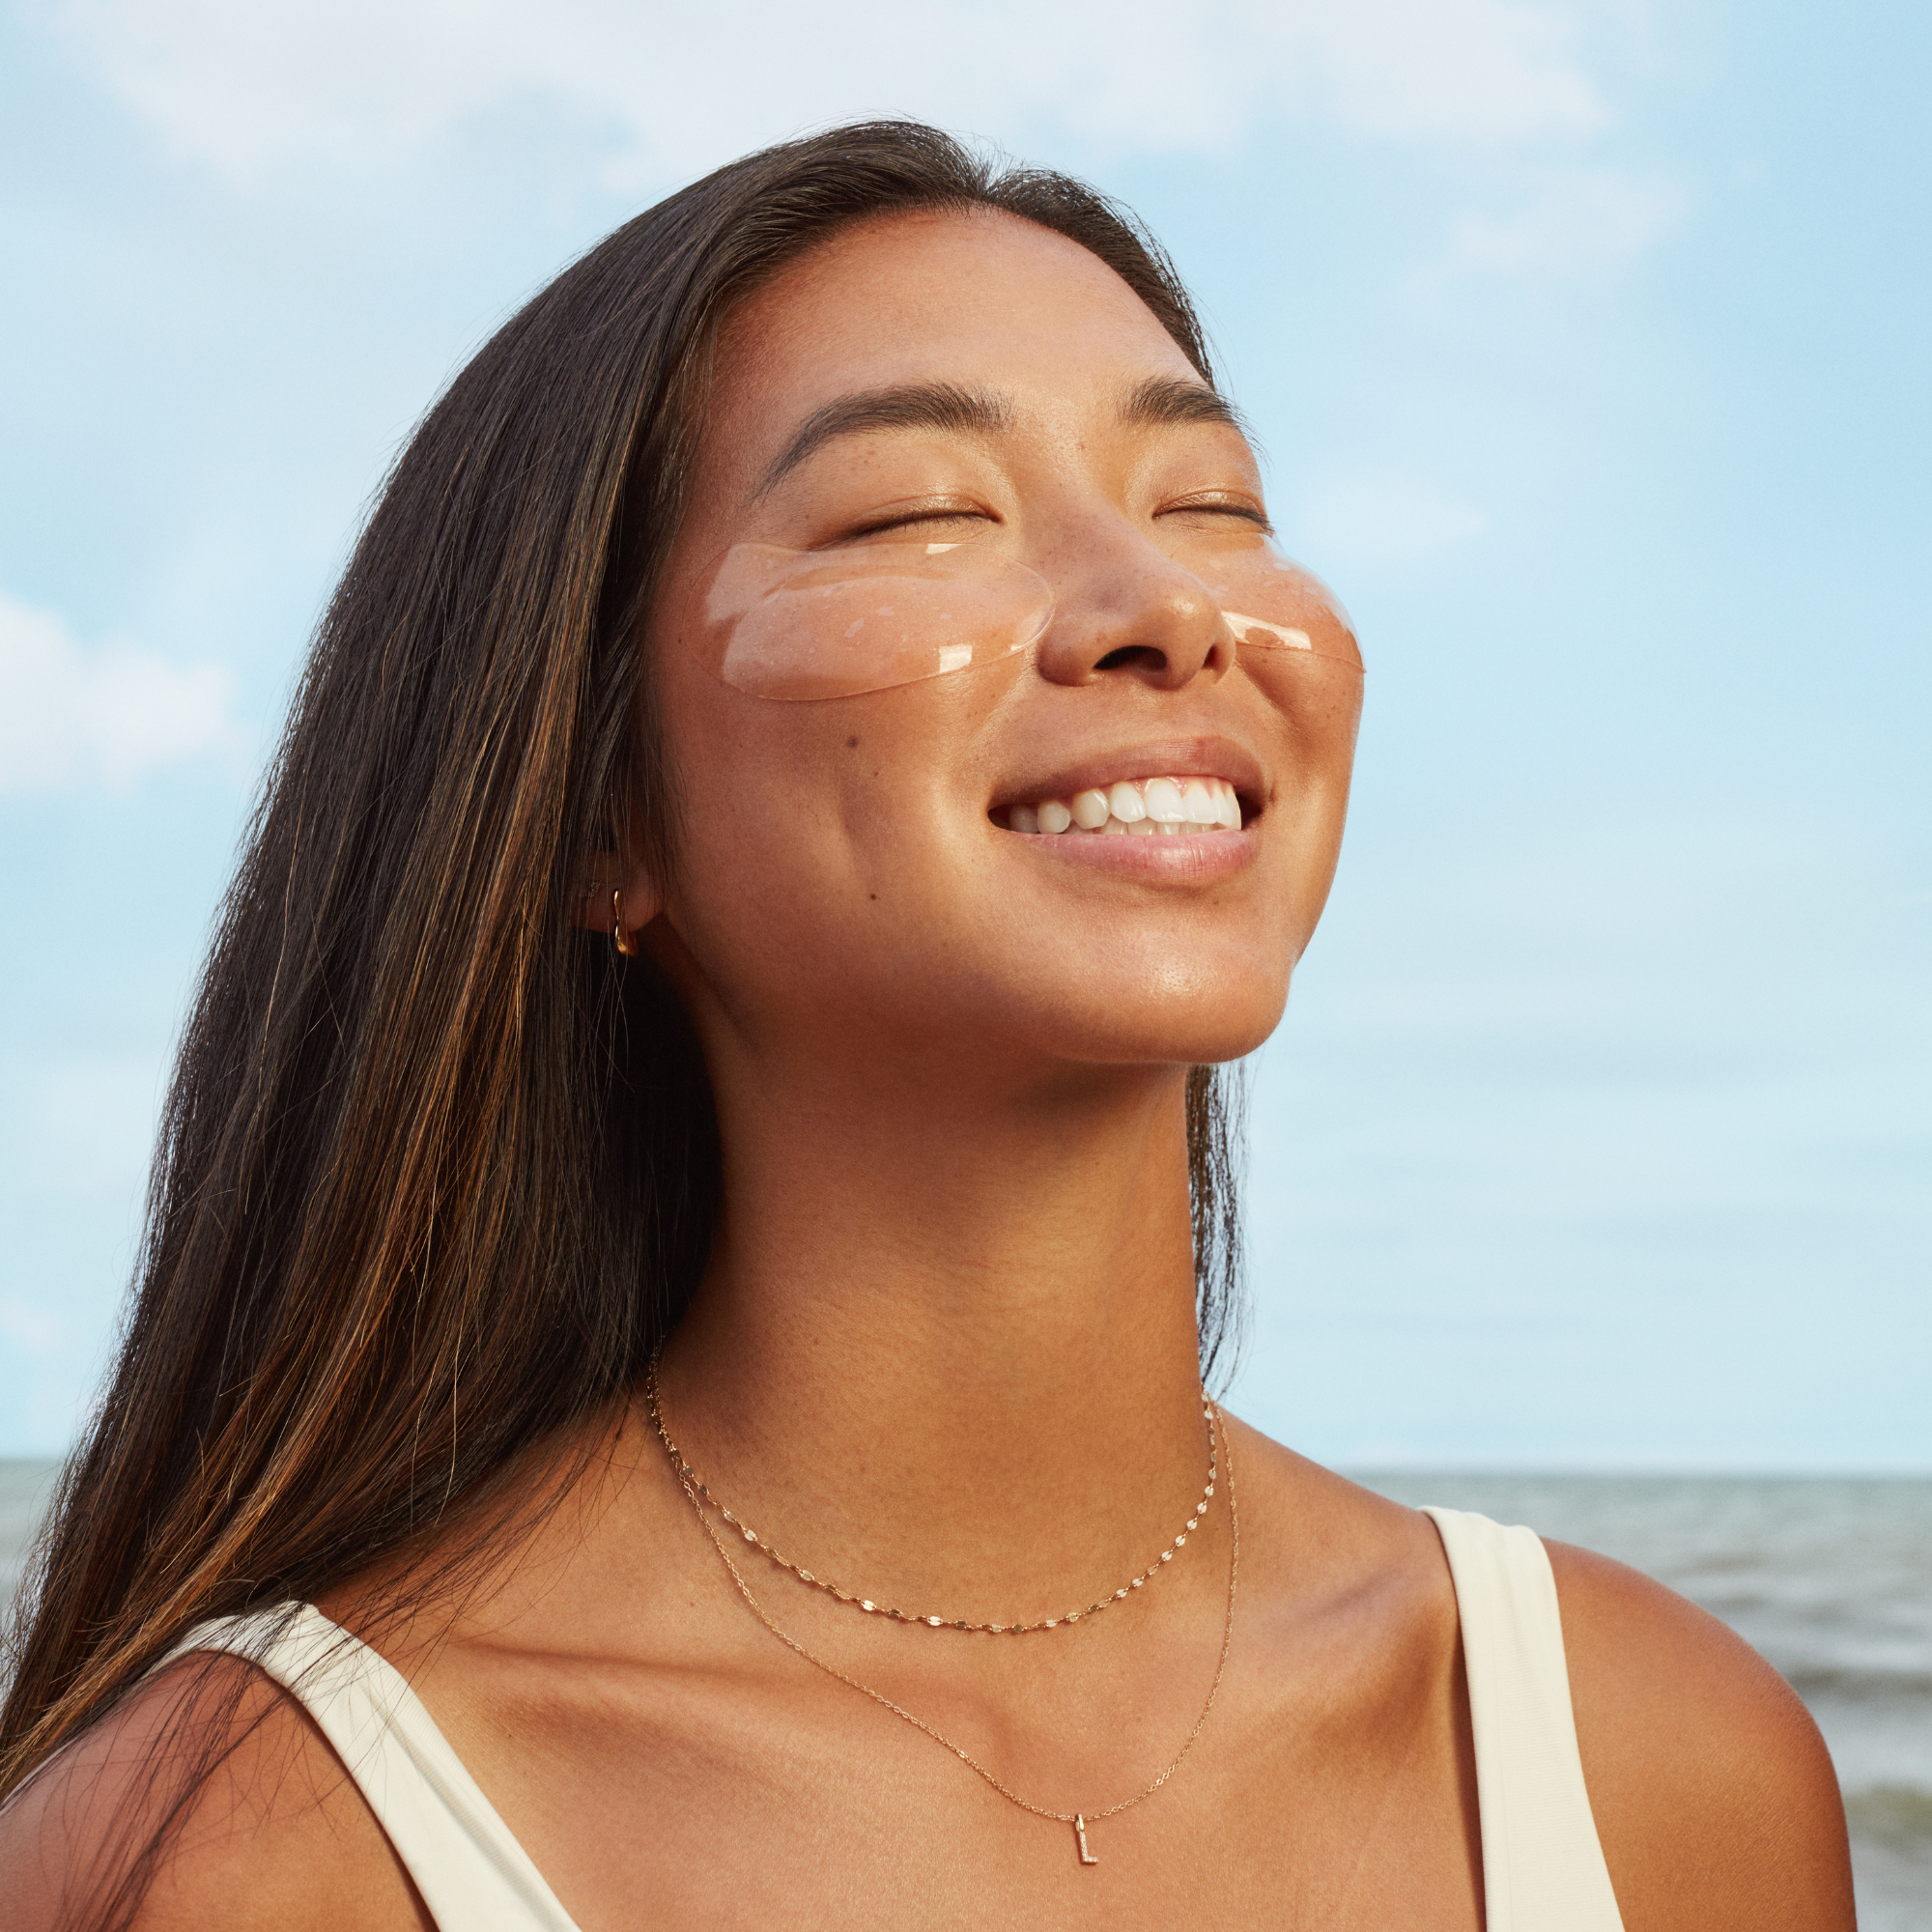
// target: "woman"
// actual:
[[845, 597]]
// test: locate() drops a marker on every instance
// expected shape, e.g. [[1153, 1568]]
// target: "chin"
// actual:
[[1160, 1030]]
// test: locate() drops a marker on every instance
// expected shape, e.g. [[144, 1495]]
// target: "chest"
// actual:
[[675, 1798]]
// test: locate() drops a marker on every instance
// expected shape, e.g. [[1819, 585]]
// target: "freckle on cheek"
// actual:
[[851, 744]]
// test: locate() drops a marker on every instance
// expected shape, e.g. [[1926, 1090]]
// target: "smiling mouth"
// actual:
[[1133, 806]]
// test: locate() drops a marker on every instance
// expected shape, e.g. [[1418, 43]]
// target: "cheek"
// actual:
[[816, 837], [766, 793], [1315, 723]]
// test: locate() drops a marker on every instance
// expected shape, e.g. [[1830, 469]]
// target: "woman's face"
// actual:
[[851, 879]]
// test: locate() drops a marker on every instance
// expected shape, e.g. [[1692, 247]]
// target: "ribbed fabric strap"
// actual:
[[1542, 1867], [472, 1874]]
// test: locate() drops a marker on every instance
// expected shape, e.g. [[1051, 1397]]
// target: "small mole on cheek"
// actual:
[[872, 895], [851, 744]]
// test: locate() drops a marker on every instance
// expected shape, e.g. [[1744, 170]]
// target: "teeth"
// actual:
[[1164, 799], [1163, 806]]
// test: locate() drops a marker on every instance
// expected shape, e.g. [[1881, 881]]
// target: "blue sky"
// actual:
[[1588, 346]]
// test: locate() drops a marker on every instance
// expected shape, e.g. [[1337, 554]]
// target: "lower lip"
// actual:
[[1174, 858]]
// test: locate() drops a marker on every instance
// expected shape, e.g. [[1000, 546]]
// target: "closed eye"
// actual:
[[920, 519], [1224, 508]]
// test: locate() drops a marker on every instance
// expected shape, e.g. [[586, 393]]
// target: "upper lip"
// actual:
[[1204, 757]]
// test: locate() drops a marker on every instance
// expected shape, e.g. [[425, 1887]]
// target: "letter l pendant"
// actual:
[[1087, 1857]]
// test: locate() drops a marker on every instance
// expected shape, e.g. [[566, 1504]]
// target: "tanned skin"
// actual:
[[946, 1346]]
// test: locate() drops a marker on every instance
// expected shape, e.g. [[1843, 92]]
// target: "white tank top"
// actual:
[[1542, 1868]]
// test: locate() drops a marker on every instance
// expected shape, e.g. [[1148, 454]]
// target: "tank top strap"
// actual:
[[469, 1867], [1543, 1864]]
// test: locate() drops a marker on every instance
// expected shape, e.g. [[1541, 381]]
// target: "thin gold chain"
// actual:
[[695, 1486], [1078, 1819]]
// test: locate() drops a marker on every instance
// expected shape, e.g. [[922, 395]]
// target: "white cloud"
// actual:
[[246, 87], [1479, 70], [1577, 226], [71, 713]]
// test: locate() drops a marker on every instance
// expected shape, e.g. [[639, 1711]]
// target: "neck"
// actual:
[[947, 1341]]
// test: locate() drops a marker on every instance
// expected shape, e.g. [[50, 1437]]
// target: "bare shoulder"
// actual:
[[1713, 1794], [1314, 1541], [274, 1834]]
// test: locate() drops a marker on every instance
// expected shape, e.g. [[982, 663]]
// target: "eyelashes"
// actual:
[[1246, 514], [1250, 514], [920, 519]]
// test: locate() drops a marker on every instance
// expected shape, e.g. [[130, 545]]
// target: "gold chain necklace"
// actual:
[[694, 1485], [1079, 1820]]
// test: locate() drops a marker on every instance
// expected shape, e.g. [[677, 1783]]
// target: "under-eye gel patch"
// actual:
[[835, 623], [1271, 605], [803, 624]]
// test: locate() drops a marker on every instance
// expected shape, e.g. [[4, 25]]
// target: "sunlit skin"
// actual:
[[929, 932], [946, 1349]]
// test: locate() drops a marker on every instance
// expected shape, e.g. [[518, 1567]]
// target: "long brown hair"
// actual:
[[437, 1172]]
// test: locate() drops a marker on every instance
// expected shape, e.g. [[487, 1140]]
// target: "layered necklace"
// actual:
[[704, 1503]]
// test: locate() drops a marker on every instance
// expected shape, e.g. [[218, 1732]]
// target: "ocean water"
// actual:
[[1830, 1578]]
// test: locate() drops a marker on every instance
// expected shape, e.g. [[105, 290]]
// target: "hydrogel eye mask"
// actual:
[[1273, 606], [797, 625], [835, 623]]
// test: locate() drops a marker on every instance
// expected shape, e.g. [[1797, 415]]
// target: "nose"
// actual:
[[1123, 608]]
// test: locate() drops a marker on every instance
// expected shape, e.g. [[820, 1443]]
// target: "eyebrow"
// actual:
[[942, 406], [1163, 400], [1158, 402]]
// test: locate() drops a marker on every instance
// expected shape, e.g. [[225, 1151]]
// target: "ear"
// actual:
[[610, 886]]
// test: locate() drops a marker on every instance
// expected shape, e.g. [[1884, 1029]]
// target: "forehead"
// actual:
[[976, 296]]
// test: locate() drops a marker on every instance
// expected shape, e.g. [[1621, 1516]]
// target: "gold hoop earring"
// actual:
[[623, 941]]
